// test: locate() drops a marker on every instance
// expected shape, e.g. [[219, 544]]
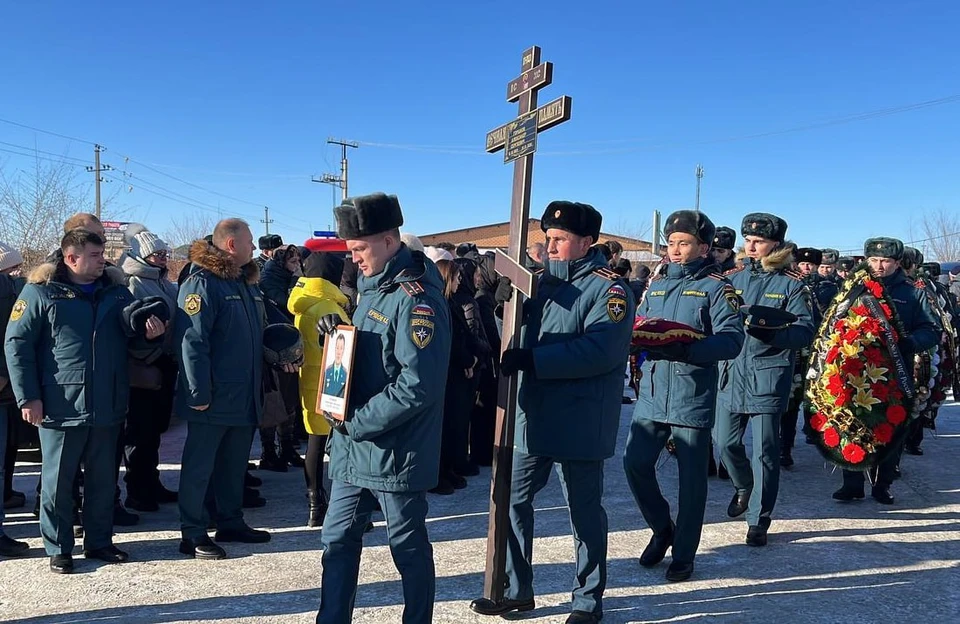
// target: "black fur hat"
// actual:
[[269, 241], [846, 263], [830, 256], [691, 222], [367, 215], [811, 255], [764, 225], [282, 344], [932, 269], [912, 256], [725, 238], [766, 317], [574, 217], [882, 247]]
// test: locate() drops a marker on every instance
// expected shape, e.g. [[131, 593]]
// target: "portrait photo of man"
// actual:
[[335, 375]]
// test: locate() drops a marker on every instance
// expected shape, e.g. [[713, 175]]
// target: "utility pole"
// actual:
[[266, 220], [655, 239], [699, 177], [96, 169], [341, 180]]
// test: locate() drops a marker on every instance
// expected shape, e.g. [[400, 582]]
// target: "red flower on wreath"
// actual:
[[896, 394], [860, 310], [883, 433], [833, 354], [840, 326], [871, 326], [835, 385], [880, 391], [896, 414], [818, 421], [873, 356], [831, 437], [845, 396], [874, 287], [887, 312], [850, 336], [852, 366], [853, 453]]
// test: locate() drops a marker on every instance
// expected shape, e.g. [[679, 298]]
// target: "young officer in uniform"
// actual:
[[575, 344], [755, 386], [845, 266], [66, 350], [218, 340], [724, 241], [678, 390], [388, 447], [828, 265]]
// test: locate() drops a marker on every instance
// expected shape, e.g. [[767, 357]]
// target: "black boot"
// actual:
[[318, 507], [289, 455], [786, 458], [269, 460]]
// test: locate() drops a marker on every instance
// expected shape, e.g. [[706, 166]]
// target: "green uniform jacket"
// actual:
[[913, 308], [395, 410], [685, 393], [758, 381], [69, 349], [218, 340], [579, 328]]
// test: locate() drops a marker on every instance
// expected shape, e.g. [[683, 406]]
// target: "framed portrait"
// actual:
[[337, 371]]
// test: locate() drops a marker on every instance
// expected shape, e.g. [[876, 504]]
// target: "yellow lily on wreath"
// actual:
[[851, 350], [875, 373], [858, 382], [865, 399]]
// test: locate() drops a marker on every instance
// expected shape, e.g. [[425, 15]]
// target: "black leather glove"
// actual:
[[675, 352], [514, 360], [504, 291], [762, 334], [336, 425], [327, 324]]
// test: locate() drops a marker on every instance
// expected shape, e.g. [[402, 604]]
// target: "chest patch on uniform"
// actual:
[[378, 316], [422, 309], [657, 293], [65, 293], [731, 297], [18, 309], [233, 298], [693, 293], [776, 296], [421, 332], [191, 304]]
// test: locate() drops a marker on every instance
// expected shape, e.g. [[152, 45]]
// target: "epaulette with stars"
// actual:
[[607, 274], [412, 288], [735, 269]]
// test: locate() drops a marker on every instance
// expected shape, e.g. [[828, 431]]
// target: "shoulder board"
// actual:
[[732, 271], [794, 274], [607, 274], [412, 288], [717, 276]]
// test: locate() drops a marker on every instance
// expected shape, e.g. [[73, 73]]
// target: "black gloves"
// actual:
[[327, 325], [762, 334], [514, 360], [336, 425], [135, 314], [675, 352], [504, 291]]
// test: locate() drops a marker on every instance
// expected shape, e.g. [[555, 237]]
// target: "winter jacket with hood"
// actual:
[[146, 280]]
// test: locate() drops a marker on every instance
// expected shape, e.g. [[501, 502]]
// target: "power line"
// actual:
[[56, 134], [40, 151], [46, 158]]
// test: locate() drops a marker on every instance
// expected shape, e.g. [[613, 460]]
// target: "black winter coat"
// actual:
[[275, 284]]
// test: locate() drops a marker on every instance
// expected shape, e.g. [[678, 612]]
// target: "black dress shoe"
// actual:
[[245, 535], [122, 517], [786, 458], [110, 554], [489, 607], [142, 504], [272, 462], [443, 488], [291, 457], [913, 450], [624, 401], [14, 500], [657, 547], [881, 493], [251, 481], [457, 481], [678, 572], [12, 548], [756, 536], [252, 499], [61, 564], [738, 504], [583, 617], [202, 548], [848, 494]]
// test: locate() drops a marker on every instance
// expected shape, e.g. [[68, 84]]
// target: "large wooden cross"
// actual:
[[518, 139]]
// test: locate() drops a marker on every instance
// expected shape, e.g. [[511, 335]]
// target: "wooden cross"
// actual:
[[518, 139]]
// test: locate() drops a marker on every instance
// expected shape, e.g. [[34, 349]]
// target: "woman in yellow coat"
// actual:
[[315, 295]]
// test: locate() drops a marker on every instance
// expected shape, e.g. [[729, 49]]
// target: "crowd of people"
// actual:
[[100, 356]]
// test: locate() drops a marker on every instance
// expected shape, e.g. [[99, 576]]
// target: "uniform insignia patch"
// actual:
[[378, 316], [18, 309], [616, 308], [421, 331], [657, 293], [422, 309], [693, 293], [556, 215], [731, 297], [191, 304], [617, 291]]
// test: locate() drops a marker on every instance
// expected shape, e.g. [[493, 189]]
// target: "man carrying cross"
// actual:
[[574, 343]]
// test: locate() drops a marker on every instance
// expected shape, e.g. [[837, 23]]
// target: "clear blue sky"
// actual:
[[239, 98]]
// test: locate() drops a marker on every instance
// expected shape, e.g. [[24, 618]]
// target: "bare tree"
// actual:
[[34, 206], [941, 228], [188, 228]]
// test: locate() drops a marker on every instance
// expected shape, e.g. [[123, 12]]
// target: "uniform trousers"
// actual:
[[582, 484], [213, 455], [4, 411], [63, 450], [342, 540], [759, 476], [644, 445]]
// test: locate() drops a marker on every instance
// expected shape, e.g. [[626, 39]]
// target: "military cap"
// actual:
[[882, 247], [809, 254], [913, 256], [367, 215], [691, 222], [269, 241], [932, 268], [830, 256], [764, 225], [725, 238], [136, 313], [765, 317], [573, 217], [282, 344], [846, 263]]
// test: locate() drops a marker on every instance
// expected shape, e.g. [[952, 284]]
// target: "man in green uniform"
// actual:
[[574, 346], [724, 242], [387, 450], [678, 389], [66, 351], [218, 340]]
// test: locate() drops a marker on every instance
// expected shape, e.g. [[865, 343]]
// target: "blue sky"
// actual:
[[238, 98]]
